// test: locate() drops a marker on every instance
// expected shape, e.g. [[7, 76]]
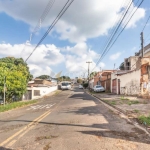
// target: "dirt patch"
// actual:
[[47, 146], [45, 137]]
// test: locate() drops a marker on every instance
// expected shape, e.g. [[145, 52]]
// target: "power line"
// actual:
[[114, 32], [66, 6], [106, 50], [41, 19], [146, 23], [123, 28]]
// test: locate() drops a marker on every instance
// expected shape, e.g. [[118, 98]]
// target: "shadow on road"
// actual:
[[3, 148], [136, 136]]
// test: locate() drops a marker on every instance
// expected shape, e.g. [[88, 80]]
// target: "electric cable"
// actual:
[[63, 10]]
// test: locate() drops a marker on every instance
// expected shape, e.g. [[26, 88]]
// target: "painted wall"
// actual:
[[129, 82], [43, 91], [91, 82]]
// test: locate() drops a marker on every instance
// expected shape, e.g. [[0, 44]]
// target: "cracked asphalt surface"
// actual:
[[70, 120]]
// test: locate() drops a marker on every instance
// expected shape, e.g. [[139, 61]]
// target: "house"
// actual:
[[38, 88], [94, 80], [133, 82], [123, 82], [105, 79], [130, 63], [102, 78]]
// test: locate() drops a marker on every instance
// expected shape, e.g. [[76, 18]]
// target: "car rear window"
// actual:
[[98, 86], [64, 84]]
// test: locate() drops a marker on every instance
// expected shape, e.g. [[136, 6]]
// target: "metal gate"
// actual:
[[114, 86]]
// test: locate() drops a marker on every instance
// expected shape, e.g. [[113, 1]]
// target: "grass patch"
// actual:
[[57, 92], [144, 120], [14, 105], [136, 111], [110, 102], [133, 102], [124, 98]]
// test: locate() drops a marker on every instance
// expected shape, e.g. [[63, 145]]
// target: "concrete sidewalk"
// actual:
[[132, 106]]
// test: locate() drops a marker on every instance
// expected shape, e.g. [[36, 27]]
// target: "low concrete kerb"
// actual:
[[122, 114]]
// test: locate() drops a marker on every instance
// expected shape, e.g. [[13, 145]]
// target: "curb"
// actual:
[[122, 114]]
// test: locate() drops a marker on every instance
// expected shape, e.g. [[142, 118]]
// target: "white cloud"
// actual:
[[46, 56], [77, 57], [115, 56], [42, 59], [84, 19], [140, 13]]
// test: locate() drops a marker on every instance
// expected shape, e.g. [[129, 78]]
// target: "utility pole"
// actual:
[[142, 44], [88, 71]]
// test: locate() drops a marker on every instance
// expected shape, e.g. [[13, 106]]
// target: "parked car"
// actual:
[[80, 86], [98, 88], [65, 86]]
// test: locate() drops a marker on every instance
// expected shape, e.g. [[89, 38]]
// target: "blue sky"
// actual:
[[78, 36]]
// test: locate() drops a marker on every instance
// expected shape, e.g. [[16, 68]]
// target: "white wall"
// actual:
[[129, 82], [43, 91], [91, 82]]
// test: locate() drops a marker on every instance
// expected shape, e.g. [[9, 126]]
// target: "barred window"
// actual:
[[36, 92]]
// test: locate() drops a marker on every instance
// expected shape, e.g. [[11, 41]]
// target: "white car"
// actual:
[[98, 88], [80, 86], [65, 86]]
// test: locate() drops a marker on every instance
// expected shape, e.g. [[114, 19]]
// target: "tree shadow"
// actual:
[[3, 148], [102, 130], [128, 136]]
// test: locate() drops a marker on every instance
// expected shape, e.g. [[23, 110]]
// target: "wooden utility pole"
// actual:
[[142, 44], [88, 71]]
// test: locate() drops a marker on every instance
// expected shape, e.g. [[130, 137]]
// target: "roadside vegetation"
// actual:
[[14, 105], [14, 73], [144, 120]]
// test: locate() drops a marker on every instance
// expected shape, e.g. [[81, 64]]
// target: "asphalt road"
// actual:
[[70, 120]]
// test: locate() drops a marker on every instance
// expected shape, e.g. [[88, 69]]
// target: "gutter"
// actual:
[[122, 114]]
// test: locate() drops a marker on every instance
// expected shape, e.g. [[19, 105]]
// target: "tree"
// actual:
[[85, 85], [79, 80], [121, 67], [44, 77], [15, 73], [93, 74], [64, 78]]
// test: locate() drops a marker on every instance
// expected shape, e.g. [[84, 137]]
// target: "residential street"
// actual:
[[69, 120]]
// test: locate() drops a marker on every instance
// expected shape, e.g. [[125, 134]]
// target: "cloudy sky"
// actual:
[[79, 36]]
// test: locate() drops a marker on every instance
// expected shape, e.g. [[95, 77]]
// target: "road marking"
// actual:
[[41, 106], [34, 122], [21, 135], [29, 126]]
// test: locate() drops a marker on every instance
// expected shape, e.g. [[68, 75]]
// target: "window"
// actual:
[[36, 92], [98, 86]]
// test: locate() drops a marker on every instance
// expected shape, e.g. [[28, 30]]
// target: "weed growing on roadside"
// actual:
[[144, 120], [136, 111], [133, 102]]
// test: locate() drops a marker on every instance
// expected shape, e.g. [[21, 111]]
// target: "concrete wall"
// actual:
[[91, 82], [129, 82], [43, 91]]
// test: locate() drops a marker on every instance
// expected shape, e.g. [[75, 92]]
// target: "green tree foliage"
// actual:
[[44, 77], [93, 74], [121, 67], [64, 78], [79, 80], [85, 85], [15, 72]]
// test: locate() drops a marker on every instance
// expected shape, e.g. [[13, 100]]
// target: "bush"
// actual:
[[85, 85]]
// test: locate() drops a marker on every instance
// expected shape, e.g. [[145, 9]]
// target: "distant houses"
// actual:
[[39, 87], [132, 79]]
